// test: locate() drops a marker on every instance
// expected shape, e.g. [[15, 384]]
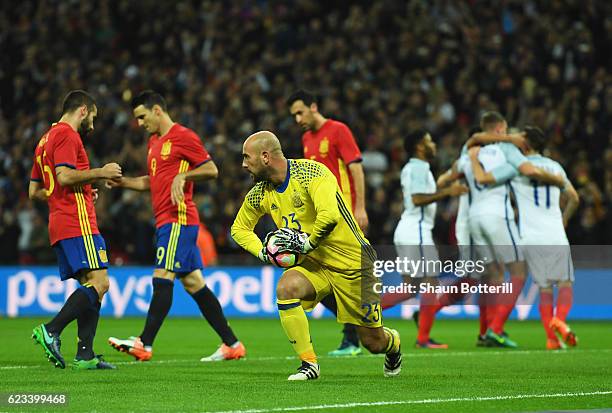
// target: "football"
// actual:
[[280, 258]]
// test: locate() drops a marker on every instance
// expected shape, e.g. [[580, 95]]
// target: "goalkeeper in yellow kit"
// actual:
[[303, 195]]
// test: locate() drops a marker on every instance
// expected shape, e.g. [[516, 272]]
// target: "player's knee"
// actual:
[[192, 283], [162, 273], [104, 286], [287, 290], [101, 283]]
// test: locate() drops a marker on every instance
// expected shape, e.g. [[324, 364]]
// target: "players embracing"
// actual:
[[543, 239]]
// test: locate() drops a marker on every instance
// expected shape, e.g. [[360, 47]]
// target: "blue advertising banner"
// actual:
[[249, 292]]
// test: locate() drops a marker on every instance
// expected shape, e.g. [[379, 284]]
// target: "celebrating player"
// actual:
[[462, 228], [304, 196], [61, 177], [413, 236], [331, 142], [491, 219], [543, 239], [176, 158]]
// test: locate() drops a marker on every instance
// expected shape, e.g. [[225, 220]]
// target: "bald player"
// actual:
[[304, 200]]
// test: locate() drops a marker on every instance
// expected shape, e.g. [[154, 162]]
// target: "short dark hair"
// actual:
[[148, 99], [413, 139], [536, 138], [75, 99], [489, 119], [307, 97]]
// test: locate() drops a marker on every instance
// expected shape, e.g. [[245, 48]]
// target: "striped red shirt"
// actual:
[[334, 146], [71, 209], [179, 150]]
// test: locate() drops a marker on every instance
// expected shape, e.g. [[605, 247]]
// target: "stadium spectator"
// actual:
[[384, 67], [206, 245]]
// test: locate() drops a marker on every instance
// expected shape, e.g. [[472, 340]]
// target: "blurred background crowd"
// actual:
[[226, 68]]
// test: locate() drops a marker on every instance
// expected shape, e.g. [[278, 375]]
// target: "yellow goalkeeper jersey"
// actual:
[[311, 201]]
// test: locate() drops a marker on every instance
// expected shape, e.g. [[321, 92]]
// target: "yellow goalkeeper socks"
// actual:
[[294, 322], [393, 343]]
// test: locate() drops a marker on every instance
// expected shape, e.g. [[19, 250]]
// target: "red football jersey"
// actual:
[[180, 150], [334, 146], [71, 209]]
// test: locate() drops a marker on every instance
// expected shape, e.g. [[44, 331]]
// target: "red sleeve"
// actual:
[[36, 174], [193, 150], [66, 150], [345, 142]]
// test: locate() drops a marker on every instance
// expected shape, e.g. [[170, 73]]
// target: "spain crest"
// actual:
[[297, 201], [103, 256], [324, 147], [166, 149]]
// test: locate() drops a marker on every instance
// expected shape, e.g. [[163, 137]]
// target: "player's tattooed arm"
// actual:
[[203, 172], [36, 192], [485, 138], [67, 176], [480, 175], [498, 175], [137, 183], [571, 199]]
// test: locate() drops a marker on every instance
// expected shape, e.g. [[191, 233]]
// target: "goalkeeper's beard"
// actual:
[[260, 177]]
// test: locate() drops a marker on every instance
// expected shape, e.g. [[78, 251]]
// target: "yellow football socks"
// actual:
[[393, 345], [294, 322]]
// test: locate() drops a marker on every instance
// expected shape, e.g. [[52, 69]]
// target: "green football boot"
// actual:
[[345, 349], [499, 340], [96, 363], [51, 343]]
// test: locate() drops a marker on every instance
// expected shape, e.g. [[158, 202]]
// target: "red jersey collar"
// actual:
[[176, 124]]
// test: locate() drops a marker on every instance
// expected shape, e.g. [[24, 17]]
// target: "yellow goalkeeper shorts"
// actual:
[[357, 302]]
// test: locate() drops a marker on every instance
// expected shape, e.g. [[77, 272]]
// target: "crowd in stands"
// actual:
[[383, 67]]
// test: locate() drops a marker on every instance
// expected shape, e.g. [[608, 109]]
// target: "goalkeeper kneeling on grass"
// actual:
[[304, 200]]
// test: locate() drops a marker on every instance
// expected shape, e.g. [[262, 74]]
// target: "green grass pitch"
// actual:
[[461, 379]]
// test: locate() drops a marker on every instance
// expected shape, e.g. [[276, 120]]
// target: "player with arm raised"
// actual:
[[61, 176], [176, 159], [303, 195], [332, 143]]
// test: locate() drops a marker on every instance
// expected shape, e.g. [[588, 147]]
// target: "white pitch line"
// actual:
[[423, 401], [411, 355], [444, 353]]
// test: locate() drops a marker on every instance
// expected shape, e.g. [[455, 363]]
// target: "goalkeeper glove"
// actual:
[[263, 256], [295, 241], [263, 253]]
